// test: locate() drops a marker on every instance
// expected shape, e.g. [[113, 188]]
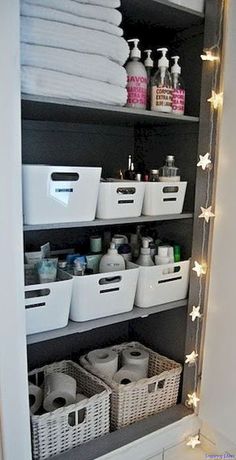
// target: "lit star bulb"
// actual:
[[199, 269], [206, 214], [191, 359], [195, 313], [204, 161], [192, 400], [208, 56], [216, 100], [193, 442]]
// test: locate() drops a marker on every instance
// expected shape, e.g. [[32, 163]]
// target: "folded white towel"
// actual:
[[107, 3], [79, 9], [35, 11], [43, 82], [58, 35], [90, 66]]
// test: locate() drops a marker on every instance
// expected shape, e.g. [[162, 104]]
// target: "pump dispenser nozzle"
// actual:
[[148, 61], [163, 61], [175, 67], [135, 52]]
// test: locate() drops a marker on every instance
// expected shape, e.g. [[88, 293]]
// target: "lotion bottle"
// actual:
[[112, 261], [178, 102], [161, 98], [163, 258], [145, 258], [149, 68], [136, 78]]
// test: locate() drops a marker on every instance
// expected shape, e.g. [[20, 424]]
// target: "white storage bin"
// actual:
[[161, 198], [196, 5], [53, 194], [120, 199], [155, 287], [104, 294], [47, 305]]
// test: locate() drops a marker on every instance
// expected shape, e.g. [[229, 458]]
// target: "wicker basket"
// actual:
[[51, 432], [136, 401]]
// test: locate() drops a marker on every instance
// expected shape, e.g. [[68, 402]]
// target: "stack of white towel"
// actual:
[[73, 49]]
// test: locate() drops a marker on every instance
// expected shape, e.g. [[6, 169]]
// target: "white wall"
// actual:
[[218, 395], [13, 373]]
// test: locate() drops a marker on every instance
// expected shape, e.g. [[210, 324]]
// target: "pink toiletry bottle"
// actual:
[[136, 78], [178, 101], [162, 90]]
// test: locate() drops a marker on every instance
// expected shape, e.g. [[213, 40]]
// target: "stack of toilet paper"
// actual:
[[59, 390], [73, 49], [131, 366]]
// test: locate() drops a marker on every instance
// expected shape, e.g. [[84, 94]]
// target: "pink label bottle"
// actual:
[[178, 101], [136, 79]]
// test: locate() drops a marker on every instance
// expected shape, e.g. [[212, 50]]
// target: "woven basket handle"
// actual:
[[77, 417]]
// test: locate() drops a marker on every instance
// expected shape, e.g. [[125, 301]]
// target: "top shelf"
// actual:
[[42, 108], [160, 13]]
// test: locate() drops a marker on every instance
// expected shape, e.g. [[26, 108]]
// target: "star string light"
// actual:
[[204, 161], [191, 359], [200, 269], [195, 313], [192, 400], [206, 214], [216, 100], [208, 56], [193, 442]]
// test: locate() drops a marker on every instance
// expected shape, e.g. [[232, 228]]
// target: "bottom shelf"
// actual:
[[112, 441], [75, 328]]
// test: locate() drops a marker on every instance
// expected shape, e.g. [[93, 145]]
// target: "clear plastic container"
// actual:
[[169, 172]]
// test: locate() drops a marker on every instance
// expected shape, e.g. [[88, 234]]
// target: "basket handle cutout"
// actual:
[[110, 280], [169, 189], [104, 291], [169, 199], [64, 177], [77, 417], [125, 201], [37, 293], [35, 305], [126, 190], [37, 379], [177, 278]]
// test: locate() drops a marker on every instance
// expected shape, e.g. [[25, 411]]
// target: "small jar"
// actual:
[[154, 175]]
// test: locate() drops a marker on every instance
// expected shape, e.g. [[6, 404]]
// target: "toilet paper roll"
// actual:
[[59, 391], [104, 361], [136, 357], [128, 374], [35, 398]]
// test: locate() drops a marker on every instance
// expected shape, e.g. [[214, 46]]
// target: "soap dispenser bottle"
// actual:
[[112, 261], [136, 78], [169, 172], [161, 99], [145, 258], [178, 102], [149, 68]]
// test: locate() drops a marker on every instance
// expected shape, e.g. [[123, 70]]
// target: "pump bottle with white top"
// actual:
[[136, 78], [149, 68], [112, 261], [178, 102], [145, 259], [161, 99]]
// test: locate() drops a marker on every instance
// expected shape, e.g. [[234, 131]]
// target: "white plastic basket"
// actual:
[[53, 194], [161, 198], [47, 305], [104, 294], [61, 430], [156, 287], [138, 400], [196, 5], [120, 199]]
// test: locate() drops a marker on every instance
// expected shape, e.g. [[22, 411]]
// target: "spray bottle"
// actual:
[[178, 102], [161, 99], [137, 78], [149, 68]]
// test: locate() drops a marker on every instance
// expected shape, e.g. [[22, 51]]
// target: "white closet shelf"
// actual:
[[75, 328], [105, 222], [43, 108], [112, 441]]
